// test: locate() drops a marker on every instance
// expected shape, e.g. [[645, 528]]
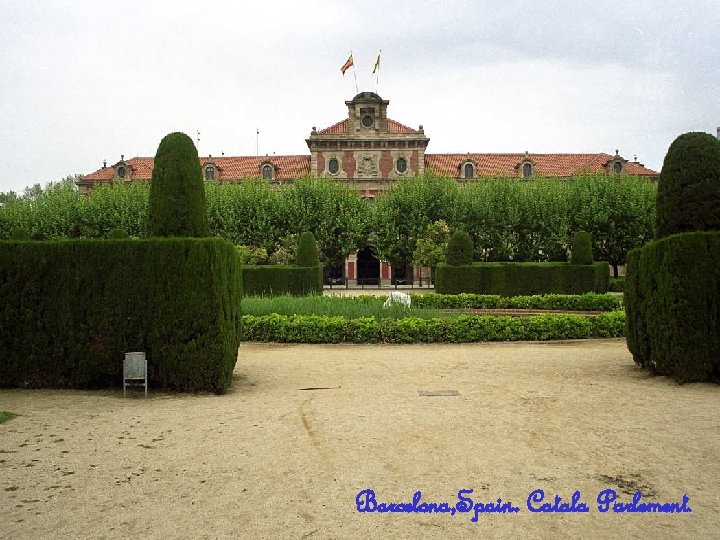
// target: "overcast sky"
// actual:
[[85, 81]]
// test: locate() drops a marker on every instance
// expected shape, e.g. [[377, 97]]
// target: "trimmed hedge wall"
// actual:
[[463, 329], [672, 300], [69, 310], [512, 279], [279, 279], [559, 302]]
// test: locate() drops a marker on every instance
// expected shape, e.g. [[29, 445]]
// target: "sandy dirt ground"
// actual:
[[305, 428]]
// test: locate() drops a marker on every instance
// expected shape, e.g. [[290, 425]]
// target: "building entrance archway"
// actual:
[[368, 267]]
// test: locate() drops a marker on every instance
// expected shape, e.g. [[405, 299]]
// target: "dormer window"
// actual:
[[527, 170], [267, 171], [469, 170], [616, 165], [209, 172], [121, 172]]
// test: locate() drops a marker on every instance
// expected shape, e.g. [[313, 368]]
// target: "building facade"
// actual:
[[369, 151]]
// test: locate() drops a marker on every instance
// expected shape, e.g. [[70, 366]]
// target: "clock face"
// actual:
[[367, 121]]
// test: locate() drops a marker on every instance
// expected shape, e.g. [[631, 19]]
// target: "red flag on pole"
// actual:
[[347, 64]]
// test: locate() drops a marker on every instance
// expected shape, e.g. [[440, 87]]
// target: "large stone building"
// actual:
[[369, 151]]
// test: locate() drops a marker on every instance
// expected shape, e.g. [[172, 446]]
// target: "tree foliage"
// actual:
[[177, 194]]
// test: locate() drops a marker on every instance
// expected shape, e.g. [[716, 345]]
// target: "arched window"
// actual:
[[121, 172], [618, 167], [469, 170], [209, 172], [333, 166], [527, 170], [267, 172], [401, 165]]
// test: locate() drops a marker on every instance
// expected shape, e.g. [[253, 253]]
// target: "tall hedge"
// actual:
[[581, 248], [69, 310], [177, 204], [459, 249], [307, 250], [672, 301], [280, 279], [512, 279], [688, 196]]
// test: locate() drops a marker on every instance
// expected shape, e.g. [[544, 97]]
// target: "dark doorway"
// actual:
[[334, 274], [368, 267], [401, 274]]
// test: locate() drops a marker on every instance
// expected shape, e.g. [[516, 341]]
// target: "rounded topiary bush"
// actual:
[[177, 193], [689, 187], [19, 234], [117, 234], [459, 249], [581, 248], [307, 250]]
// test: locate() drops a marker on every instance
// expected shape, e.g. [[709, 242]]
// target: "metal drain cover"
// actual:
[[434, 393]]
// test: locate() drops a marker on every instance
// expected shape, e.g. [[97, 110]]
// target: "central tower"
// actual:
[[367, 148]]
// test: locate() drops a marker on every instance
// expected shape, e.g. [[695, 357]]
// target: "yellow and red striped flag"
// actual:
[[347, 64]]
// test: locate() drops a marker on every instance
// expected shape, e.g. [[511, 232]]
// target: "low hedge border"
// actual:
[[279, 279], [463, 329], [557, 302]]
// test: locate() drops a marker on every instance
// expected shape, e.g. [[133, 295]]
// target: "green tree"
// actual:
[[333, 212], [688, 196], [177, 204], [430, 248], [400, 216]]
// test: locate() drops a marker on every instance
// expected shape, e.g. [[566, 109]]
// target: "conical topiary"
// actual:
[[307, 250], [459, 249], [689, 187], [177, 193], [581, 248]]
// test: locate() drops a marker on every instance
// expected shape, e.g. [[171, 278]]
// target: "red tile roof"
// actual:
[[229, 168], [341, 128], [291, 167], [397, 127], [336, 129], [543, 164]]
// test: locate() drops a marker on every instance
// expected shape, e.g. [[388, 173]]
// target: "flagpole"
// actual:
[[355, 76], [377, 73]]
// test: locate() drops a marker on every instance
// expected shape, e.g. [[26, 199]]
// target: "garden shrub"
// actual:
[[117, 234], [688, 197], [463, 329], [307, 250], [69, 310], [176, 205], [672, 300], [276, 280], [581, 248], [616, 284], [512, 279], [459, 249], [559, 302]]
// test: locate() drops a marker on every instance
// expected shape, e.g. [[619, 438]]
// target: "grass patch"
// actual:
[[5, 416], [427, 306], [352, 307]]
